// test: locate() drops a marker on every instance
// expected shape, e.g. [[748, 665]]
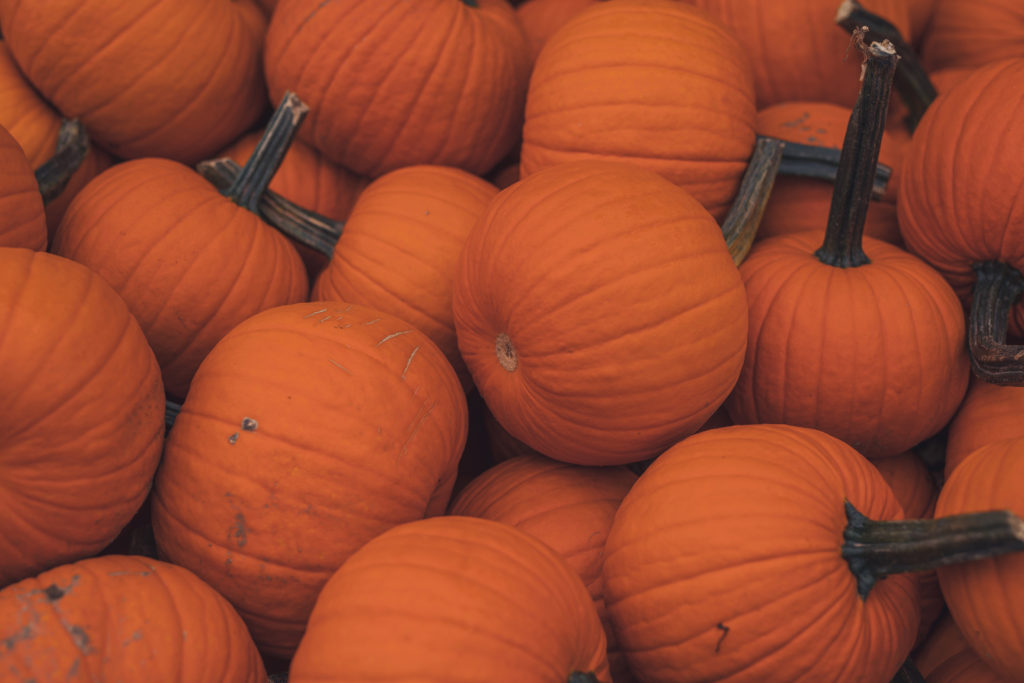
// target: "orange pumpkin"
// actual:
[[123, 618], [308, 430], [172, 78], [973, 33], [654, 83], [599, 312], [392, 83], [81, 413], [542, 18], [946, 657], [22, 221], [989, 413], [453, 599]]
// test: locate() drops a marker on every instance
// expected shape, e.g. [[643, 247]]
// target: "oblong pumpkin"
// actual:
[[81, 413], [123, 618], [599, 312]]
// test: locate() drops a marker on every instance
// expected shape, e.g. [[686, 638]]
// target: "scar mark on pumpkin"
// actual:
[[322, 310], [375, 320], [725, 632], [339, 366], [249, 424], [409, 362], [393, 335], [233, 439], [238, 530]]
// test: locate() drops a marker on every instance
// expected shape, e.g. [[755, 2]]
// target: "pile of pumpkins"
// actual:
[[352, 340]]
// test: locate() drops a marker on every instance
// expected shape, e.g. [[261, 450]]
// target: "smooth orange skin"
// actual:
[[400, 249], [740, 528], [123, 618], [798, 204], [359, 425], [962, 173], [22, 219], [798, 52], [81, 413], [989, 413], [920, 18], [452, 600], [170, 78], [542, 18], [874, 355], [385, 91], [625, 309], [190, 263], [655, 83], [986, 597], [973, 33], [947, 658]]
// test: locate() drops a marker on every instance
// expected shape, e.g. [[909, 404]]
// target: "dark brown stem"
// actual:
[[72, 146], [999, 285], [908, 673], [580, 677], [875, 550], [740, 226], [171, 410], [911, 81], [822, 163], [845, 230], [304, 226], [252, 182]]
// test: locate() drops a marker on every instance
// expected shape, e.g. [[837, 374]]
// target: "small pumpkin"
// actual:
[[22, 218]]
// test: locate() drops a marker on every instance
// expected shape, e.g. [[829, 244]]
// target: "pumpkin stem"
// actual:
[[822, 163], [875, 550], [740, 226], [252, 182], [470, 3], [302, 225], [843, 235], [908, 673], [171, 410], [581, 677], [911, 81], [72, 146], [997, 288]]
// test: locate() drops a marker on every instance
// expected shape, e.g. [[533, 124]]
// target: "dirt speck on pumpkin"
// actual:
[[249, 424], [233, 438], [238, 531], [508, 358]]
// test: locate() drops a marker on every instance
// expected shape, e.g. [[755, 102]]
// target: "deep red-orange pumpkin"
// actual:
[[22, 220], [542, 18], [452, 599], [946, 657], [973, 33], [81, 413], [123, 618], [989, 413]]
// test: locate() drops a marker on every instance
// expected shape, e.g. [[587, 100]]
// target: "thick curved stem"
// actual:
[[998, 286], [875, 550], [822, 163], [72, 146], [844, 232], [911, 81], [740, 226]]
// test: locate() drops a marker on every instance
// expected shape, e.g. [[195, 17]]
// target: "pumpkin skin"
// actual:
[[973, 33], [22, 220], [190, 263], [130, 619], [989, 413], [171, 78], [400, 249], [82, 413], [680, 79], [947, 658], [961, 177], [599, 312], [541, 18], [986, 597], [309, 429], [418, 603], [724, 564], [385, 93]]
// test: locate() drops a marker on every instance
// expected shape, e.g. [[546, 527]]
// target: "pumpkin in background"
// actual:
[[654, 83], [309, 429], [946, 657], [123, 618], [989, 413], [170, 78], [392, 83], [973, 33], [81, 413], [541, 18], [920, 18], [400, 249], [452, 599], [22, 219], [599, 312], [568, 507]]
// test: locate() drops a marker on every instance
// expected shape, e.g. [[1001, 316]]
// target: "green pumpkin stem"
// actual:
[[875, 550], [998, 286], [822, 163], [72, 146], [911, 80], [740, 226], [252, 182], [845, 230]]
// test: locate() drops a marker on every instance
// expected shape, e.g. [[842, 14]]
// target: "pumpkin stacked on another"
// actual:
[[946, 657], [22, 218], [989, 413]]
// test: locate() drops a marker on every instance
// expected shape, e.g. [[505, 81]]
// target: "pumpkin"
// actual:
[[123, 618], [400, 249], [22, 220], [81, 413], [541, 18], [172, 78], [856, 338], [973, 33], [308, 430], [599, 312], [392, 83], [989, 413], [190, 262], [654, 83], [947, 658], [420, 601], [920, 18]]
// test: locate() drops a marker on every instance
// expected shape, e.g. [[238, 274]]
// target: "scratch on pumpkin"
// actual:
[[392, 336], [322, 310], [725, 632], [415, 429], [409, 362], [339, 366]]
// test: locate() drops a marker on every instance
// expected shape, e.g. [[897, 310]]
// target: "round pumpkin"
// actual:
[[452, 600], [22, 219], [123, 618], [989, 413], [973, 33], [81, 413]]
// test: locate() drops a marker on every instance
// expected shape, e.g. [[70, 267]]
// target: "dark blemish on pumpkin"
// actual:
[[805, 127], [249, 424], [409, 362], [821, 131], [339, 366], [797, 121], [238, 530], [811, 138], [53, 592], [233, 438], [322, 310], [81, 639], [135, 637], [392, 336], [427, 212], [24, 634], [506, 352], [725, 632], [313, 13]]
